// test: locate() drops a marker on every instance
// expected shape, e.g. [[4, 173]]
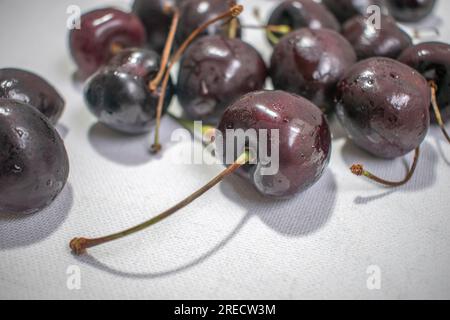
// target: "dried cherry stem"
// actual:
[[233, 12], [417, 32], [358, 170], [153, 85], [437, 112], [80, 245], [115, 48]]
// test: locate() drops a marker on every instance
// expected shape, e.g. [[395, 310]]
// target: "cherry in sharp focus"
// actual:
[[411, 10], [33, 161], [310, 63], [215, 71], [118, 93], [299, 14], [103, 32], [384, 107], [370, 41], [432, 60], [31, 89], [304, 145]]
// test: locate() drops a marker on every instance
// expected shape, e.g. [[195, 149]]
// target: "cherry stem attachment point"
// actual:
[[358, 169], [153, 85], [115, 48], [233, 12], [80, 245], [437, 112]]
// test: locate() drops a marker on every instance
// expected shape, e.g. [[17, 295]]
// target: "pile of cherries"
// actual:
[[327, 57]]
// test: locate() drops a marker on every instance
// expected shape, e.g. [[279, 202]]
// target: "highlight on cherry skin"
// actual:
[[375, 120], [118, 93], [305, 69], [103, 32], [304, 148], [34, 165], [29, 88], [203, 91]]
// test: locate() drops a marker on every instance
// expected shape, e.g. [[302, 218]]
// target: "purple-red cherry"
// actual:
[[118, 94], [102, 33], [214, 72], [299, 14], [411, 10], [304, 140], [384, 107], [31, 89], [193, 13], [370, 41], [432, 60], [33, 161], [310, 63]]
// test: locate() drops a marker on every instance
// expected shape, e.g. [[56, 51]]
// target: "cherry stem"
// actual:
[[115, 48], [233, 12], [153, 85], [80, 245], [358, 169], [282, 28], [232, 28], [190, 125], [437, 112], [417, 32]]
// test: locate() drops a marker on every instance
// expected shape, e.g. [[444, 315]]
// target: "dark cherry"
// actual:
[[194, 13], [31, 89], [432, 60], [302, 14], [155, 20], [118, 93], [346, 9], [310, 63], [214, 72], [384, 107], [102, 33], [33, 161], [411, 10], [304, 139], [368, 41]]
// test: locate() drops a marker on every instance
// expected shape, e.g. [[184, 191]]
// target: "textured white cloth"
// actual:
[[231, 243]]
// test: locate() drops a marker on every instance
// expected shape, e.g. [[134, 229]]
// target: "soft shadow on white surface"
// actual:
[[94, 262], [302, 215], [62, 129], [424, 177], [21, 231]]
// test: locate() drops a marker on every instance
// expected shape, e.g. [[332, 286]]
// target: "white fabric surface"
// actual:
[[231, 243]]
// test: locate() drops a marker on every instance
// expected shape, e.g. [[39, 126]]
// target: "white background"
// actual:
[[231, 243]]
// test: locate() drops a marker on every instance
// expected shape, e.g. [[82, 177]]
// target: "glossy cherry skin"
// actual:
[[368, 41], [118, 93], [304, 140], [31, 89], [155, 20], [346, 9], [410, 10], [310, 63], [303, 14], [384, 107], [214, 72], [432, 60], [91, 46], [33, 161], [193, 13]]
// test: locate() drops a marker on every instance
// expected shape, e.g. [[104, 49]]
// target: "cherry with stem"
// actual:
[[233, 12], [80, 245], [358, 169]]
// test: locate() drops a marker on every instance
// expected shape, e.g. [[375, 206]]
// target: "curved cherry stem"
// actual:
[[233, 12], [358, 169], [437, 111], [80, 245], [417, 32], [153, 85]]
